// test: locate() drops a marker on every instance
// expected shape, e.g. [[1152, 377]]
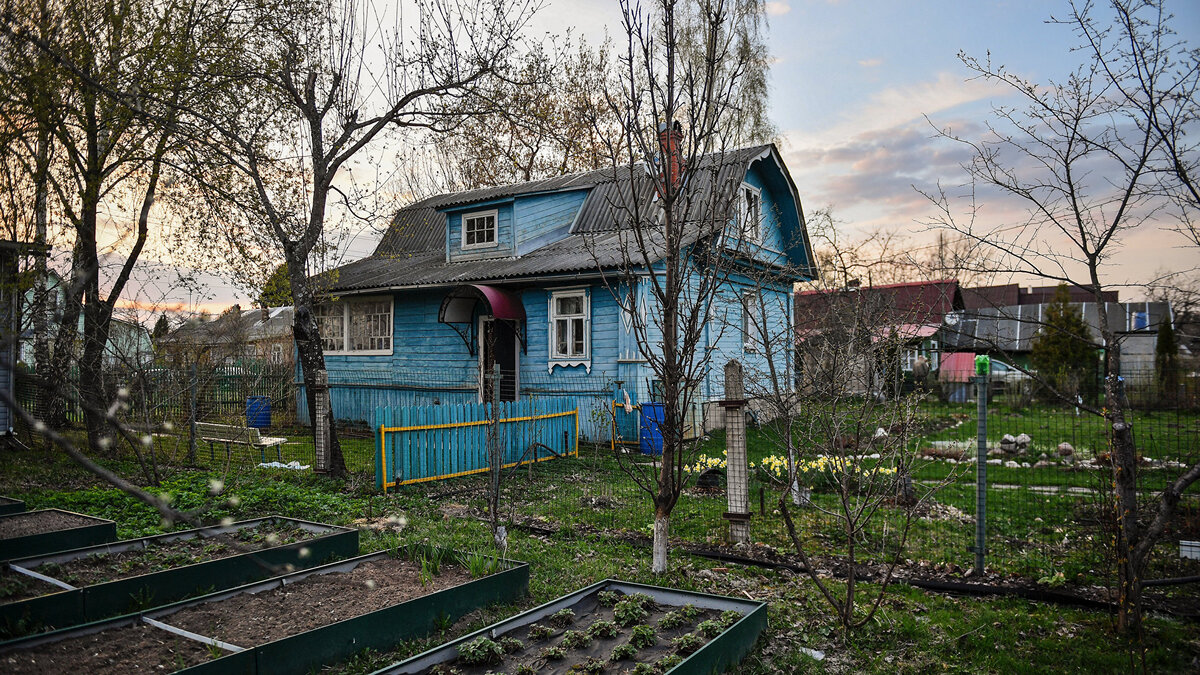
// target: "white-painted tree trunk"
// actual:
[[662, 526]]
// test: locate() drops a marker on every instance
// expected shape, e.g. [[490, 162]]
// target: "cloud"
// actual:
[[870, 63], [778, 8]]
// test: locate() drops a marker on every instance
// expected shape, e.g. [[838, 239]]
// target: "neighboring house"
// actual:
[[262, 335], [128, 345], [913, 313], [1003, 321], [522, 278]]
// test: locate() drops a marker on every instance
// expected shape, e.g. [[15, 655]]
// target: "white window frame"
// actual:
[[346, 303], [744, 220], [751, 314], [552, 317], [494, 214]]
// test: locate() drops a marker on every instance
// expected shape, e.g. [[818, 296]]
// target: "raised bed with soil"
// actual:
[[290, 624], [49, 530], [9, 505], [93, 583], [609, 627]]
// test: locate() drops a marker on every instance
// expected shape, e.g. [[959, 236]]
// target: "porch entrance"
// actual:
[[498, 347]]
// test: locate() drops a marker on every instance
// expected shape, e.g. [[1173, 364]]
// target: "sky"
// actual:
[[857, 89]]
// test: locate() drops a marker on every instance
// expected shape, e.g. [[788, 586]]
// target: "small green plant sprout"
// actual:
[[539, 632], [689, 612], [480, 564], [443, 669], [562, 618], [525, 669], [574, 639], [215, 652], [673, 620], [710, 628], [641, 599], [480, 651], [668, 662], [442, 622], [623, 652], [644, 669], [603, 629], [608, 598], [629, 611], [553, 653], [686, 644], [730, 617], [510, 644], [643, 636]]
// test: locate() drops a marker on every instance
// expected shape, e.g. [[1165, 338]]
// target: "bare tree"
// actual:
[[1088, 158], [327, 82], [669, 224]]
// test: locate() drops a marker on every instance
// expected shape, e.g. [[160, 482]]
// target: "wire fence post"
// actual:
[[737, 476], [321, 421], [982, 367], [194, 385]]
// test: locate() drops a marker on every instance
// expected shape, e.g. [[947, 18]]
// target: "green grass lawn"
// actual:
[[914, 632]]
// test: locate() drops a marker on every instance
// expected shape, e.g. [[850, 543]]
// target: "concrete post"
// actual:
[[320, 418], [737, 478]]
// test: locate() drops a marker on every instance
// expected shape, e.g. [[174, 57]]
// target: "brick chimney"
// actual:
[[670, 138]]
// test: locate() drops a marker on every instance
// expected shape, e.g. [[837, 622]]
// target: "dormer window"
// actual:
[[479, 229], [750, 213]]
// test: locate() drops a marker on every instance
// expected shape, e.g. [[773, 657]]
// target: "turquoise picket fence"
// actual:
[[415, 444]]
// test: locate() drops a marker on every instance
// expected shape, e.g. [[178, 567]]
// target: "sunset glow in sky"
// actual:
[[853, 84]]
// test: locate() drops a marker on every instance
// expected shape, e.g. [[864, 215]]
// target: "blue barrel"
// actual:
[[650, 438], [258, 412]]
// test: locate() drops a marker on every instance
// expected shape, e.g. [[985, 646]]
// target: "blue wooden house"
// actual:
[[524, 278]]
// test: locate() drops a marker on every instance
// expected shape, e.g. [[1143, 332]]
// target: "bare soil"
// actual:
[[102, 567], [244, 620], [111, 652], [37, 522], [15, 586], [249, 620]]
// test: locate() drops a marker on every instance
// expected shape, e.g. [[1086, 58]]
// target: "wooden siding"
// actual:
[[543, 219], [505, 239]]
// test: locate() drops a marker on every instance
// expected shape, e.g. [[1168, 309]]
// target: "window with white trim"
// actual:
[[479, 229], [570, 326], [750, 213], [356, 326], [276, 353], [750, 322]]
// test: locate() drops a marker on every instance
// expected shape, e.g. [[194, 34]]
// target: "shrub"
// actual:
[[553, 653], [510, 644], [686, 644], [622, 652], [574, 639], [603, 629], [643, 636], [562, 618], [479, 652], [629, 611]]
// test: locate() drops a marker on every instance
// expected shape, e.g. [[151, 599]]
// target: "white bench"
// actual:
[[229, 434]]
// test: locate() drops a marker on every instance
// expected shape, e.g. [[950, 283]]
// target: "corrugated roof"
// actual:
[[412, 251]]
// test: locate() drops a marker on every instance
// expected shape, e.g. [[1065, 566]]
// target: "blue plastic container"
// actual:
[[258, 412], [650, 438]]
